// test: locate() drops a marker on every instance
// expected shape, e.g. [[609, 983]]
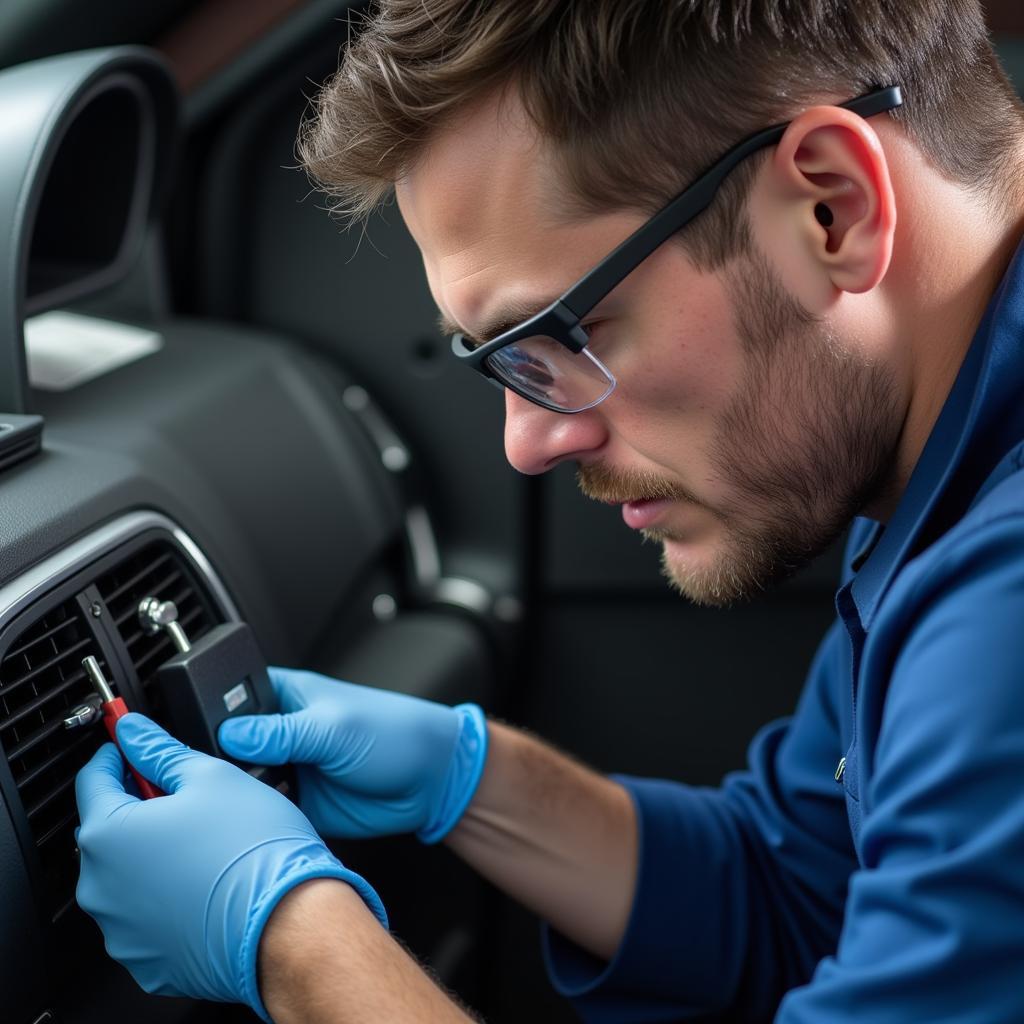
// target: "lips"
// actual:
[[642, 515]]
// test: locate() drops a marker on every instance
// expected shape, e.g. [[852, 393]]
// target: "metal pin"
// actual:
[[840, 769], [155, 615], [178, 638], [98, 680]]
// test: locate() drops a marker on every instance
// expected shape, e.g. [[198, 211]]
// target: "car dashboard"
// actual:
[[225, 471]]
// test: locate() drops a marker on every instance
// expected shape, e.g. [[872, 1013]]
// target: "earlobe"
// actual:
[[837, 183]]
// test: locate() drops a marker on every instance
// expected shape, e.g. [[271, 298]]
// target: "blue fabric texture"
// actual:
[[897, 893]]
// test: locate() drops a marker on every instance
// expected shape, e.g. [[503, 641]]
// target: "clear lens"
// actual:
[[546, 372]]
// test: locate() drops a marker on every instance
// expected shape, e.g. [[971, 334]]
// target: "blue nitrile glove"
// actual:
[[371, 762], [182, 885]]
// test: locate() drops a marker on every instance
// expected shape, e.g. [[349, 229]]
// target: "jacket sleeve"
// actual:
[[741, 889], [935, 919]]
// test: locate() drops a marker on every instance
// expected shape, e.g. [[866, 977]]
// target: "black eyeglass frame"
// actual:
[[560, 321]]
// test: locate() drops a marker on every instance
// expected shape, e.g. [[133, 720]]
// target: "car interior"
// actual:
[[216, 398]]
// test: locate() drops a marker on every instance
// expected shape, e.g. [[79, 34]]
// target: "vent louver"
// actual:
[[41, 678], [157, 570]]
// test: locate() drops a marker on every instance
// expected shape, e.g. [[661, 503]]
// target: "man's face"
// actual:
[[743, 434]]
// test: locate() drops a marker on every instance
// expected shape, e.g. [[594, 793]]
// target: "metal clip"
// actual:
[[155, 615], [85, 714]]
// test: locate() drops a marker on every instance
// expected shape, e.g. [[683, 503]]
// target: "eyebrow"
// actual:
[[504, 319]]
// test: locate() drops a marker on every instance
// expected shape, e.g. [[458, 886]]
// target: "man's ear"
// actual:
[[831, 171]]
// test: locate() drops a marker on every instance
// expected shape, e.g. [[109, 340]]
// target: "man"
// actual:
[[826, 327]]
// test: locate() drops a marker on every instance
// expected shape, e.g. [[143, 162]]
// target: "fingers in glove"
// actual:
[[297, 738], [156, 755], [100, 787]]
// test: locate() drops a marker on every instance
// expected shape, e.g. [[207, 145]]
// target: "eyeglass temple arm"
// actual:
[[586, 294]]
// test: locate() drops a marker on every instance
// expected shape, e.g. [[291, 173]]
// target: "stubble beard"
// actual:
[[808, 442]]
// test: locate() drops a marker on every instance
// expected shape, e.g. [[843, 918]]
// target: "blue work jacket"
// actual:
[[895, 894]]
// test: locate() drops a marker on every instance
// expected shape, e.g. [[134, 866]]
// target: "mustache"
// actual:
[[619, 486]]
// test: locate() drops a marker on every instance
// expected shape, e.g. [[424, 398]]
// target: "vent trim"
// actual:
[[55, 569], [42, 609]]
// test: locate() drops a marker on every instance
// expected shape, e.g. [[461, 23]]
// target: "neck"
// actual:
[[945, 270]]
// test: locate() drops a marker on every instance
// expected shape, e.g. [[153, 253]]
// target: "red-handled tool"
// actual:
[[114, 708]]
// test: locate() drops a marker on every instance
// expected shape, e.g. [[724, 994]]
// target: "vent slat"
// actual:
[[45, 801], [113, 596], [85, 738], [53, 631], [53, 831], [156, 589], [27, 745], [8, 688], [33, 706], [153, 657], [69, 904]]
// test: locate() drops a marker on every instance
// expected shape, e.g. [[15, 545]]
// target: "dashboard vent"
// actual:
[[41, 678], [156, 570]]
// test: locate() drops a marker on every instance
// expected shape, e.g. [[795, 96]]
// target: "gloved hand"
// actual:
[[182, 885], [371, 762]]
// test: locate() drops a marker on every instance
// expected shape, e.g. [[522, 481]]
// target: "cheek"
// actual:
[[680, 369], [675, 391]]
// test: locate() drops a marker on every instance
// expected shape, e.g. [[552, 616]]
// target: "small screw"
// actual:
[[96, 610]]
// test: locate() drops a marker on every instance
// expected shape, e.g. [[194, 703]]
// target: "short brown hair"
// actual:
[[639, 96]]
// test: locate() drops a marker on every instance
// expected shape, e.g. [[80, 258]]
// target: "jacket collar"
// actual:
[[982, 419]]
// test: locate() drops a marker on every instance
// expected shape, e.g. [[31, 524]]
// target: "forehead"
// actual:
[[482, 203], [470, 174]]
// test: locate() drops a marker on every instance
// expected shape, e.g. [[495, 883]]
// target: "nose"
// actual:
[[537, 439]]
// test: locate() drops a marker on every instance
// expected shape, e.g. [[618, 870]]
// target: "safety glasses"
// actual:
[[545, 358]]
